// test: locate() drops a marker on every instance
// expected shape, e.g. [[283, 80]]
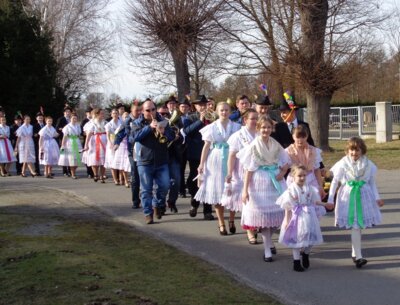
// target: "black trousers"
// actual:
[[193, 188]]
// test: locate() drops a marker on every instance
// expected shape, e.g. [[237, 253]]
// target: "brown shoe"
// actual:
[[149, 219], [157, 212]]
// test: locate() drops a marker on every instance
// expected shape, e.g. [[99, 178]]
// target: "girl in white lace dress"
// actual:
[[49, 152], [95, 145], [25, 146], [111, 127], [358, 200], [232, 196], [265, 163], [71, 146], [300, 229], [6, 149], [213, 166]]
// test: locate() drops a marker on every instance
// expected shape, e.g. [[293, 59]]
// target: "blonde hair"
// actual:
[[296, 168], [263, 119]]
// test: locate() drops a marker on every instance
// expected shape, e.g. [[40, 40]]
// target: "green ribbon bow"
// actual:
[[225, 152], [355, 203], [271, 170], [75, 149]]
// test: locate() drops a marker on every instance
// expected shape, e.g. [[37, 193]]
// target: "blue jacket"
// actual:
[[236, 116], [149, 150]]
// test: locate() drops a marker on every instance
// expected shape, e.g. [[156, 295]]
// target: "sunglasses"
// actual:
[[150, 110], [164, 113]]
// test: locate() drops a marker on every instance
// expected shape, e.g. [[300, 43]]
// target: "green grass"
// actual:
[[384, 155], [101, 262]]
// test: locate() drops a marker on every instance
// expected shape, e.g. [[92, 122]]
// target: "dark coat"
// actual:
[[193, 140], [283, 135]]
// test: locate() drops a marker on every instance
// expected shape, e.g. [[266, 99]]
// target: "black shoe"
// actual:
[[268, 259], [173, 207], [232, 227], [353, 259], [223, 231], [183, 194], [273, 250], [135, 206], [297, 266], [193, 212], [361, 262], [209, 216], [305, 260]]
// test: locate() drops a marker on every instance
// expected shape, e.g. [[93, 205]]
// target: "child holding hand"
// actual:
[[300, 228], [357, 201]]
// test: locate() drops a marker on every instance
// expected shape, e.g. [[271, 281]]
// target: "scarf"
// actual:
[[266, 154], [305, 157], [357, 170], [245, 136]]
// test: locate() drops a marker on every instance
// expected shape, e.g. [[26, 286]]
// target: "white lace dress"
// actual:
[[110, 127], [26, 146], [71, 155], [51, 151], [6, 149]]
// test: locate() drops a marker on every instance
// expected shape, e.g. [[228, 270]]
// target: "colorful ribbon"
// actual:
[[290, 236], [355, 203], [271, 170], [225, 152], [99, 144], [75, 148], [7, 149]]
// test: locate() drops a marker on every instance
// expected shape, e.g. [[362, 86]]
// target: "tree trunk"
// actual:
[[318, 118], [182, 74]]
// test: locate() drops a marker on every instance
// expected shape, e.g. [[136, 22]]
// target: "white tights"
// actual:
[[356, 243], [296, 252], [266, 234]]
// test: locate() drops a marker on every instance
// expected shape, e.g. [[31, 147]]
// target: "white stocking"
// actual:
[[266, 236], [356, 243], [296, 253]]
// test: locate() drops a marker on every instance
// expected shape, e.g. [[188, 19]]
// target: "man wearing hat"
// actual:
[[263, 105], [36, 128], [13, 139], [184, 109], [242, 103], [195, 144], [171, 104], [283, 130], [61, 123]]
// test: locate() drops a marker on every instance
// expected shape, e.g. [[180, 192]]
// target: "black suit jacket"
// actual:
[[61, 123], [194, 140], [36, 129], [283, 135]]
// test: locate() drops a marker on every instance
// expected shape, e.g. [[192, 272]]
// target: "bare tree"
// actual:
[[82, 40], [169, 34]]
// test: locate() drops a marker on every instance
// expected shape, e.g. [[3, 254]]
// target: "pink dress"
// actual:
[[6, 149], [110, 127], [96, 154]]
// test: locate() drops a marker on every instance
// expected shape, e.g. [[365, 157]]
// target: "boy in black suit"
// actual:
[[36, 128]]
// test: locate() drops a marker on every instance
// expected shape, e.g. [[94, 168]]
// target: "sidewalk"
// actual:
[[331, 279]]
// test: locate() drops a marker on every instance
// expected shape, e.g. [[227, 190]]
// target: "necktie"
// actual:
[[291, 126]]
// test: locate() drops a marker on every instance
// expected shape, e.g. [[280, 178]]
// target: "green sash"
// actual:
[[355, 203], [75, 149]]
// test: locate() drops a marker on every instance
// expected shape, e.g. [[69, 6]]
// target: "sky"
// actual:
[[123, 79]]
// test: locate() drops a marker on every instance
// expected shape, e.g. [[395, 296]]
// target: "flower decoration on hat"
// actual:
[[289, 100], [263, 87]]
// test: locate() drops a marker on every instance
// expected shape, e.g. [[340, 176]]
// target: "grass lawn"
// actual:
[[385, 155], [47, 259]]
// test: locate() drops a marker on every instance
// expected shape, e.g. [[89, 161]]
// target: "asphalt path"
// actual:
[[331, 280]]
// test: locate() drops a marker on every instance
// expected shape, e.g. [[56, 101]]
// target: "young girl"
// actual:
[[121, 157], [357, 201], [96, 141], [232, 196], [49, 152], [300, 229], [214, 161], [302, 153], [111, 127], [6, 149], [265, 163], [25, 146], [71, 146]]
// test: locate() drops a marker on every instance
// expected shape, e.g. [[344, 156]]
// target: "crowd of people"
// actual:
[[242, 161]]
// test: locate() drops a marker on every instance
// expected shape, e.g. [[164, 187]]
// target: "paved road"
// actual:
[[332, 278]]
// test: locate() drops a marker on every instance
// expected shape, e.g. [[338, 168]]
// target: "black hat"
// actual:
[[263, 100], [184, 101], [89, 109], [119, 105], [171, 99], [288, 102], [18, 117], [39, 114], [201, 99]]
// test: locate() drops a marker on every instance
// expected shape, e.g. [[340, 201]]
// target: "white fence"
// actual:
[[346, 122]]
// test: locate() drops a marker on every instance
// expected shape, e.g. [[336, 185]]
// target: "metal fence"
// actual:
[[346, 122]]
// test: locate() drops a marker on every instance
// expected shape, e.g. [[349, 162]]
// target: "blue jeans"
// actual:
[[135, 182], [175, 175], [148, 175]]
